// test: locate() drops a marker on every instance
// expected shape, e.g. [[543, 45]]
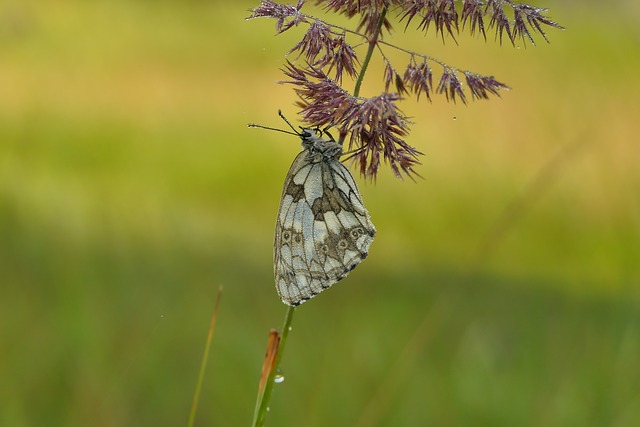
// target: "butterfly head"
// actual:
[[314, 140]]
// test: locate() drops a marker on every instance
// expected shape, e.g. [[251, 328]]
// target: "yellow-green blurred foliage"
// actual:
[[501, 290]]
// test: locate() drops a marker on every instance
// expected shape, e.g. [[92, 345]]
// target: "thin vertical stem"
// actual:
[[372, 45], [365, 63]]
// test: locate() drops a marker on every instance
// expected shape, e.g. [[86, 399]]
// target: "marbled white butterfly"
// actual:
[[323, 229]]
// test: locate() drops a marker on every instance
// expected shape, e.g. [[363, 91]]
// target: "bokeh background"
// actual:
[[502, 289]]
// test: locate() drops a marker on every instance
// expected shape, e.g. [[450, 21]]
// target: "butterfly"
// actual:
[[323, 231]]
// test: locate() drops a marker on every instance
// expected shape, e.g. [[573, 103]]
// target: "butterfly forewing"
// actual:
[[323, 229]]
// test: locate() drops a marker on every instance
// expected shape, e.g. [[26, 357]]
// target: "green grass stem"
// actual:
[[264, 397]]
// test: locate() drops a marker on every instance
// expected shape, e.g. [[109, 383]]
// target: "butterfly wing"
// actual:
[[322, 230]]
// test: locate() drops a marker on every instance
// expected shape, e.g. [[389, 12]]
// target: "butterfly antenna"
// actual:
[[253, 125], [287, 122]]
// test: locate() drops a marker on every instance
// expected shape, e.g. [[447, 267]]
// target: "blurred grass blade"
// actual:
[[205, 356]]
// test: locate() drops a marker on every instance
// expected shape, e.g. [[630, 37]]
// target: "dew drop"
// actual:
[[455, 118], [278, 378]]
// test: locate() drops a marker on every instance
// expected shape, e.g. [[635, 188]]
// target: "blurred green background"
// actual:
[[501, 290]]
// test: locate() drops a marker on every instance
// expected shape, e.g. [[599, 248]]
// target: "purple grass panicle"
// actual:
[[374, 128]]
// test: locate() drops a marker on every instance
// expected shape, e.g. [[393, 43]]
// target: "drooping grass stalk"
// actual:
[[264, 396], [377, 127]]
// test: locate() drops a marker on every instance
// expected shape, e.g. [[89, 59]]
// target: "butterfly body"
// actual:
[[323, 229]]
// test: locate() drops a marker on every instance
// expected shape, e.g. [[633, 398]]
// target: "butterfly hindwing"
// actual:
[[323, 229]]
